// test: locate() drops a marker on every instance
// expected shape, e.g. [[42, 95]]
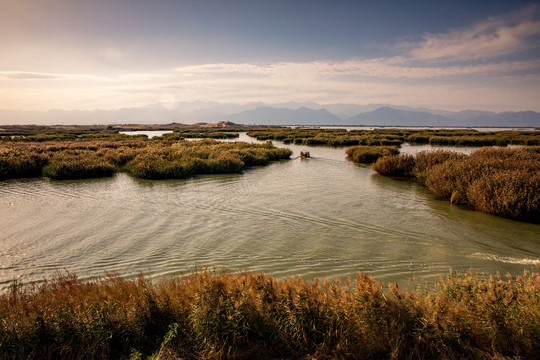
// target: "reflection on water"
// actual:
[[317, 217], [149, 133]]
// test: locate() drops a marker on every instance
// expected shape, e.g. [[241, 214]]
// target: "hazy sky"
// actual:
[[107, 54]]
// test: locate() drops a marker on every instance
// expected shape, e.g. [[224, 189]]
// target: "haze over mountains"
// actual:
[[277, 114]]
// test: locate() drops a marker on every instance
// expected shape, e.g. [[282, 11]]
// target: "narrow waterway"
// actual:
[[318, 217]]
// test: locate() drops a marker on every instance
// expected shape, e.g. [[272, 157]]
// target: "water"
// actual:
[[149, 133], [318, 217]]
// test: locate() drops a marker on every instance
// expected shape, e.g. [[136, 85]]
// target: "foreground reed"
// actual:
[[503, 182], [216, 315]]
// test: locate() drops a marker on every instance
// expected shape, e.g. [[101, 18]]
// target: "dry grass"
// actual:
[[20, 164], [369, 154], [183, 159], [395, 165], [244, 316], [149, 159], [503, 182], [395, 137], [332, 137], [78, 165]]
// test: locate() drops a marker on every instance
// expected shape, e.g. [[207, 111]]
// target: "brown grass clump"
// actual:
[[504, 182], [427, 159], [78, 165], [18, 164], [509, 193], [183, 159], [369, 154], [395, 165], [215, 315]]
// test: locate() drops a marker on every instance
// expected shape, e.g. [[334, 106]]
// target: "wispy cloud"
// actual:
[[392, 68], [22, 75], [17, 75], [474, 67], [381, 80], [497, 36]]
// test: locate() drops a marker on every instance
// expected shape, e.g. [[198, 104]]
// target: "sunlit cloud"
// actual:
[[375, 68], [497, 36], [357, 81], [472, 67], [17, 75], [22, 76]]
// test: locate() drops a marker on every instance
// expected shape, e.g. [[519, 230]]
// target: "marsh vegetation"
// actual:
[[396, 137], [369, 154], [201, 133], [219, 315], [498, 181], [68, 155], [213, 314]]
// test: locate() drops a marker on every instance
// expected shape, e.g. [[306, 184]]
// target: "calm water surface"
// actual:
[[150, 133], [318, 217]]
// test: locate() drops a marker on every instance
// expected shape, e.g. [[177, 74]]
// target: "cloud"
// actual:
[[380, 80], [392, 68], [22, 75], [463, 68], [497, 36], [14, 75]]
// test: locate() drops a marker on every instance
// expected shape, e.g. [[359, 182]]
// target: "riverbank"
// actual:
[[212, 314]]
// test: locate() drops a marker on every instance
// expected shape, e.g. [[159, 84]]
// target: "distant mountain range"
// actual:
[[277, 114], [282, 116]]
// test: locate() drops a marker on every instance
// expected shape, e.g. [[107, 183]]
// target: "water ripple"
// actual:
[[320, 217]]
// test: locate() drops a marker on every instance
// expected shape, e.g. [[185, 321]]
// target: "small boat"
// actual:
[[304, 154]]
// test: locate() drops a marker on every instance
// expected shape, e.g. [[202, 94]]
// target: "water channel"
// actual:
[[318, 217]]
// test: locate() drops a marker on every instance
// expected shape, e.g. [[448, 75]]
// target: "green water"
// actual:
[[318, 217]]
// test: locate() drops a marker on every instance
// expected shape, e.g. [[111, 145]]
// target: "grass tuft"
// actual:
[[369, 154]]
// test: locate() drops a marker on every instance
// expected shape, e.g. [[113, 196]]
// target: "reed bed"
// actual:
[[78, 165], [140, 157], [503, 182], [369, 154], [184, 159], [395, 137], [68, 135], [331, 137], [15, 163], [217, 315]]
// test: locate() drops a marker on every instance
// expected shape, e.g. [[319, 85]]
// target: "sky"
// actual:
[[110, 54]]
